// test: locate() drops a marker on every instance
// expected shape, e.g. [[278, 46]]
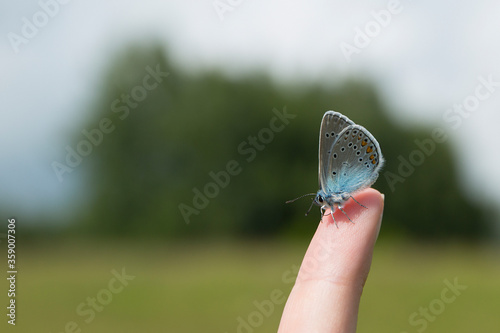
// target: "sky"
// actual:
[[435, 64]]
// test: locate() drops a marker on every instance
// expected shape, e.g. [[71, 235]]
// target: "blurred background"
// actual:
[[159, 140]]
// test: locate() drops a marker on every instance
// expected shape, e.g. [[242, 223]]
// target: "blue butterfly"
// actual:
[[349, 161]]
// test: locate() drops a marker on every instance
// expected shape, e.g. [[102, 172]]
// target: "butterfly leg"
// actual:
[[310, 207], [333, 217], [356, 201], [322, 210], [345, 214]]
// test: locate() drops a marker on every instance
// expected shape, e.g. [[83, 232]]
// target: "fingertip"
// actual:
[[346, 251], [371, 199], [371, 195]]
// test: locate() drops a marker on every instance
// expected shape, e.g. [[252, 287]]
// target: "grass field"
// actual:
[[206, 287]]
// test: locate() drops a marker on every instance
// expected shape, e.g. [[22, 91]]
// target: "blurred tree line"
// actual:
[[170, 137]]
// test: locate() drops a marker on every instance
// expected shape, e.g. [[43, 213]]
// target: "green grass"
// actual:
[[207, 287]]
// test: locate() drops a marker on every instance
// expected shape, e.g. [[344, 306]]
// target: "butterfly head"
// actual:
[[329, 200]]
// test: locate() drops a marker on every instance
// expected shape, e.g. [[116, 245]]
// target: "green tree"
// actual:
[[193, 124]]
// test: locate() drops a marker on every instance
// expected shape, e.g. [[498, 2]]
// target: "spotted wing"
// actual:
[[355, 161], [331, 125]]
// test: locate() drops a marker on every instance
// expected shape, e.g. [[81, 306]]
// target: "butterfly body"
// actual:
[[349, 161]]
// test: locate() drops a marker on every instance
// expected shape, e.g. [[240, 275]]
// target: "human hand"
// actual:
[[326, 294]]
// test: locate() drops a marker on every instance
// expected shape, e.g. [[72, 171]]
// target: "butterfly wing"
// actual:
[[355, 161], [331, 125]]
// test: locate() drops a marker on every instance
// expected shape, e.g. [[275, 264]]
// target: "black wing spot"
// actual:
[[342, 149]]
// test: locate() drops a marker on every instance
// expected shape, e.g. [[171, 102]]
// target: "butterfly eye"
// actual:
[[320, 199]]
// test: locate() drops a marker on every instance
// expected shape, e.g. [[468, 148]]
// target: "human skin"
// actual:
[[327, 292]]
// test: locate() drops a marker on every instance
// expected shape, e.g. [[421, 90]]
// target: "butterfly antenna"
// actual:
[[305, 195], [356, 201]]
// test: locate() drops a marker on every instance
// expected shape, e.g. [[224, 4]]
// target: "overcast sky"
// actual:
[[425, 56]]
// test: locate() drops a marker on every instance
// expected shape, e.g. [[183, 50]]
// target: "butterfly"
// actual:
[[349, 161]]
